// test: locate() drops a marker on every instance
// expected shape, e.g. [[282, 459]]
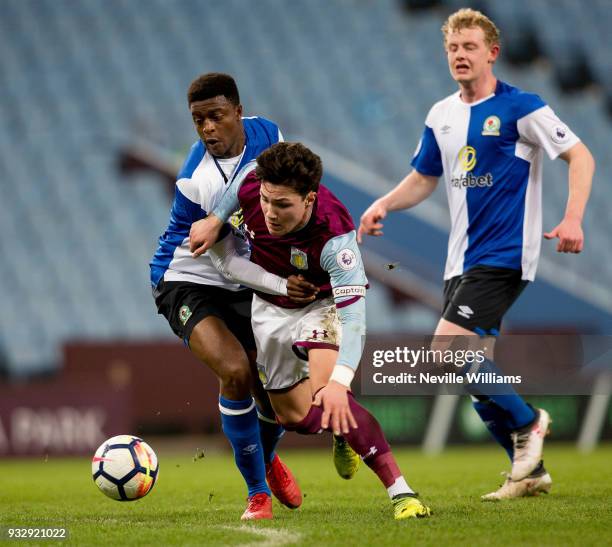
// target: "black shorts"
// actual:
[[185, 304], [479, 299]]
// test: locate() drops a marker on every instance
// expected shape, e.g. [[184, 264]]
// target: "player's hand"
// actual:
[[370, 221], [204, 234], [571, 237], [300, 290], [336, 411]]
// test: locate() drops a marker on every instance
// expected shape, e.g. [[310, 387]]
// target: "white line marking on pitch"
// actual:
[[273, 537]]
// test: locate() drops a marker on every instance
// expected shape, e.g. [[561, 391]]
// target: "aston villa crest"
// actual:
[[299, 259]]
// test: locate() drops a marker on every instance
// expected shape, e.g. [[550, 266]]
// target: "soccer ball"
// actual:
[[125, 468]]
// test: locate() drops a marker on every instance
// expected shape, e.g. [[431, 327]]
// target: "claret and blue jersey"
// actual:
[[490, 153]]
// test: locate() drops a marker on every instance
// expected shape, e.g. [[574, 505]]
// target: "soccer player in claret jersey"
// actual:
[[210, 313], [307, 355], [487, 140]]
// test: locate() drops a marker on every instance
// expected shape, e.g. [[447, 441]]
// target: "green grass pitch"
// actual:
[[200, 503]]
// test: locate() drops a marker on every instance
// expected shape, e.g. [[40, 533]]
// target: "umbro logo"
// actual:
[[465, 311], [445, 129], [249, 449]]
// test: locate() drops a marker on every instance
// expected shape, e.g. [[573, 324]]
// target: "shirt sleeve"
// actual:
[[543, 128], [341, 258], [240, 269], [186, 207], [427, 159], [229, 201]]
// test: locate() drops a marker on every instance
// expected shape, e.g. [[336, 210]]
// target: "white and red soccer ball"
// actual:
[[125, 468]]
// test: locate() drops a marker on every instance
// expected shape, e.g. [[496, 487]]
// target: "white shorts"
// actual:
[[283, 337]]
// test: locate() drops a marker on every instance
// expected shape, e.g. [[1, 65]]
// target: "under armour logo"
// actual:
[[316, 333], [250, 232]]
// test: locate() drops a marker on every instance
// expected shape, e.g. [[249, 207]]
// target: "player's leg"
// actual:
[[214, 344], [295, 410], [319, 329], [280, 479], [346, 460], [496, 420], [475, 304], [237, 316], [195, 313], [286, 376], [270, 430], [519, 412], [506, 413]]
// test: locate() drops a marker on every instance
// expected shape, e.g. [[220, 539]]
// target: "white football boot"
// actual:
[[529, 486], [528, 446]]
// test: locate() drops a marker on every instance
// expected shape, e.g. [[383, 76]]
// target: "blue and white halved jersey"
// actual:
[[490, 153], [199, 188]]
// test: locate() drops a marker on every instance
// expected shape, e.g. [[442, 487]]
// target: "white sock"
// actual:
[[400, 486]]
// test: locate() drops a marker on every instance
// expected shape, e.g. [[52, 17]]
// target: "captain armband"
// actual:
[[349, 290]]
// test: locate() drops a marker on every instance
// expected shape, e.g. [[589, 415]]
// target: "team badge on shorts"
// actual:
[[184, 314], [491, 126], [299, 259]]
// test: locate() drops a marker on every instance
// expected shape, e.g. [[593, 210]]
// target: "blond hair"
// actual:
[[470, 18]]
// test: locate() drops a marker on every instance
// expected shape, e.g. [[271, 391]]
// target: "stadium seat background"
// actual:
[[83, 79]]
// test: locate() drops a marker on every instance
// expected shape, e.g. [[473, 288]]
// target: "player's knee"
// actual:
[[236, 380], [305, 424], [290, 419]]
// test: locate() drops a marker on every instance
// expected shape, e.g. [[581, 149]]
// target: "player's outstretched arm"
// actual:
[[413, 189], [342, 260], [240, 269], [581, 169]]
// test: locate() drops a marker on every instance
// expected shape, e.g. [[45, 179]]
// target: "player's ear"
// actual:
[[493, 53], [239, 111], [310, 198]]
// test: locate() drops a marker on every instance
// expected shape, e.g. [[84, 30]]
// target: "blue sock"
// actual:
[[270, 432], [495, 418], [240, 425], [519, 413]]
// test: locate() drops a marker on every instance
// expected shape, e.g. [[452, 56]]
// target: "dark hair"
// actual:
[[290, 164], [212, 85]]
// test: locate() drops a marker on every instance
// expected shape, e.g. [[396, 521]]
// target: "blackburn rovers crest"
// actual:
[[184, 314], [491, 126], [299, 259]]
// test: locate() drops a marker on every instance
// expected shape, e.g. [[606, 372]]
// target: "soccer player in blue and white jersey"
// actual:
[[307, 355], [487, 140], [211, 314]]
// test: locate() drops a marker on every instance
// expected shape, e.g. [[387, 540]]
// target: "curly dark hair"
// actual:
[[290, 164], [212, 85]]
